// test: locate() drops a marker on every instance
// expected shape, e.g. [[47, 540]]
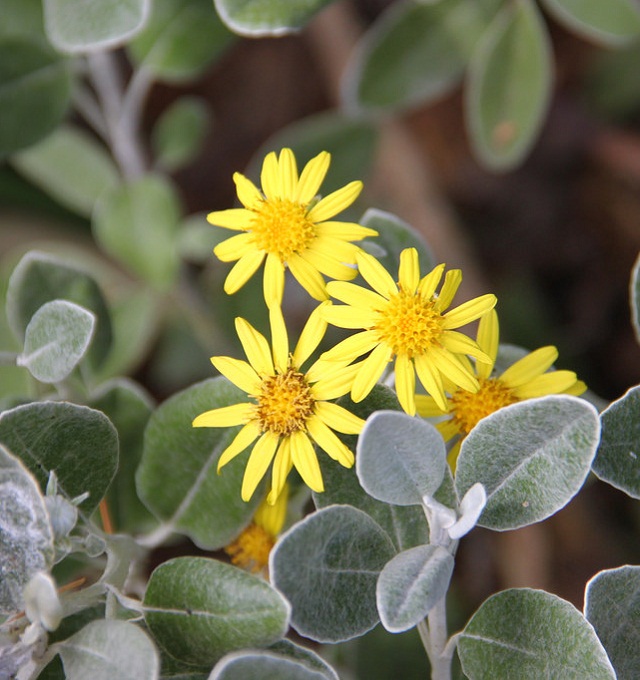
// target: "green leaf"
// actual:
[[327, 566], [616, 460], [56, 339], [137, 224], [39, 278], [200, 609], [79, 443], [612, 23], [178, 135], [177, 477], [634, 290], [128, 407], [532, 458], [510, 81], [71, 166], [26, 538], [180, 40], [394, 235], [400, 459], [197, 239], [35, 90], [104, 650], [303, 655], [78, 26], [267, 665], [522, 634], [611, 607], [415, 52], [21, 17], [411, 584], [267, 17]]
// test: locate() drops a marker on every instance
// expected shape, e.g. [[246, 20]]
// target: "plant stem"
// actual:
[[437, 624]]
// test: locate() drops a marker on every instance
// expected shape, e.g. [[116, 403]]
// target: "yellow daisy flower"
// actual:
[[250, 550], [527, 378], [288, 410], [406, 320], [285, 224]]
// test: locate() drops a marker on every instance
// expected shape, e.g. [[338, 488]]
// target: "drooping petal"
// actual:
[[346, 316], [579, 387], [452, 281], [357, 296], [345, 231], [308, 277], [449, 365], [279, 339], [429, 283], [553, 382], [273, 281], [327, 440], [335, 202], [376, 275], [271, 517], [430, 378], [305, 460], [488, 339], [339, 418], [311, 335], [248, 193], [370, 371], [255, 346], [311, 178], [234, 248], [281, 468], [288, 174], [329, 265], [352, 347], [243, 270], [238, 219], [333, 383], [226, 416], [239, 372], [258, 463], [530, 366], [409, 270], [244, 438], [448, 429], [406, 383], [269, 176], [469, 311]]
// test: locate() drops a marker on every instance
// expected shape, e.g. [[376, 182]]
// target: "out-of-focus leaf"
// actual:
[[634, 295], [22, 17], [510, 80]]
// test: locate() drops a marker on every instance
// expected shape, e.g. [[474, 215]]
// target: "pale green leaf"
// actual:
[[411, 584], [532, 458], [26, 537], [617, 460], [105, 650], [522, 634], [56, 339], [510, 81], [200, 609], [78, 26], [612, 607], [197, 238], [267, 665], [22, 17], [634, 295], [327, 566], [71, 166]]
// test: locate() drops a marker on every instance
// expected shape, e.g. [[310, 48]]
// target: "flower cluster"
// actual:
[[407, 330]]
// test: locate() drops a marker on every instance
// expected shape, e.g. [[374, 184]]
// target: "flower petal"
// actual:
[[527, 368], [553, 382], [427, 407], [234, 248], [356, 296], [449, 365], [429, 376], [238, 219], [308, 277], [279, 339], [333, 384], [255, 346], [370, 371], [269, 177], [329, 265], [409, 270], [248, 193], [281, 468], [288, 174], [346, 316], [339, 418], [311, 335], [429, 283], [336, 248], [327, 440], [335, 202], [459, 343], [271, 517], [376, 275], [406, 383], [258, 463], [469, 311], [243, 270], [352, 347], [244, 438], [239, 372], [345, 231], [226, 416], [488, 338], [273, 281], [305, 460], [311, 178], [452, 281]]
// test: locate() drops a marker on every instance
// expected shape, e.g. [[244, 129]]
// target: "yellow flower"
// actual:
[[525, 379], [408, 321], [250, 550], [288, 409], [284, 224]]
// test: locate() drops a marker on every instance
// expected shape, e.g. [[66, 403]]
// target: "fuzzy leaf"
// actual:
[[612, 607], [26, 537], [634, 295], [532, 458], [79, 443], [327, 566], [104, 650], [522, 634], [78, 26], [56, 339], [200, 609], [411, 584], [195, 493], [617, 460], [400, 459], [510, 80]]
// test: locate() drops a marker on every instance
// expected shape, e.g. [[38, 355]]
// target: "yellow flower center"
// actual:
[[409, 324], [285, 403], [470, 407], [281, 227], [251, 549]]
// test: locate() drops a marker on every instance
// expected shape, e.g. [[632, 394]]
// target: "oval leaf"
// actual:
[[411, 584], [634, 296], [137, 223], [79, 443], [104, 650], [200, 609], [190, 456], [416, 52], [78, 26], [267, 17], [56, 339], [531, 457], [26, 537], [327, 566], [522, 634], [617, 460], [35, 90], [267, 665], [612, 23], [611, 607], [400, 459], [510, 79]]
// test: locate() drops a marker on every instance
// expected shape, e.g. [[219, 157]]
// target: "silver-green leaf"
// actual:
[[634, 297], [532, 458]]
